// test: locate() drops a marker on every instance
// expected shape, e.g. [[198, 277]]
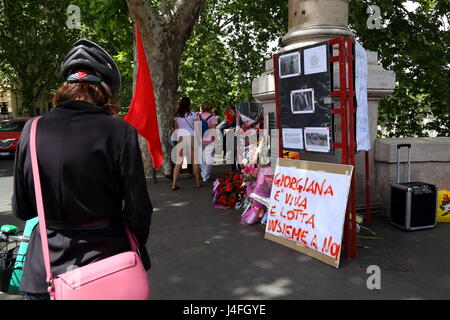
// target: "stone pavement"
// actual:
[[199, 252]]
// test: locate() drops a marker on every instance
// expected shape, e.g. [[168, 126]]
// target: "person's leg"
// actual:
[[198, 179], [195, 156], [195, 159], [176, 174], [209, 160], [203, 165], [177, 168]]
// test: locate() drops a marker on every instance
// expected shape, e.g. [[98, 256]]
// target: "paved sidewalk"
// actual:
[[199, 252]]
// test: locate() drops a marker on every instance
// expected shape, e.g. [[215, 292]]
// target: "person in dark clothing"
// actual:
[[91, 172]]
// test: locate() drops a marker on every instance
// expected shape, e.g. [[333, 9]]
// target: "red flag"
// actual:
[[142, 112]]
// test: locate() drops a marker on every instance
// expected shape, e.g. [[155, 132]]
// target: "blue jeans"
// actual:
[[37, 296]]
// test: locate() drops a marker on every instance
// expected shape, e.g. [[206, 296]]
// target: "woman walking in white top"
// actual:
[[209, 121], [184, 127]]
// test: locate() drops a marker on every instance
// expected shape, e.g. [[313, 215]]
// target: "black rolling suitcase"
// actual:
[[413, 204]]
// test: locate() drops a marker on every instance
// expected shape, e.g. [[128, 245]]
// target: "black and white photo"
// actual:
[[317, 139], [302, 101], [290, 65]]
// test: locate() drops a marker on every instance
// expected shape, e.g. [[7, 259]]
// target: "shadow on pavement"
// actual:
[[199, 252], [6, 167]]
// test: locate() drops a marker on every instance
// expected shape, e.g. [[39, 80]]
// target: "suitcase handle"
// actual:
[[399, 146]]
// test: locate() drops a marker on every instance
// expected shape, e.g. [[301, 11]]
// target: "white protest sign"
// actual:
[[307, 207], [362, 110]]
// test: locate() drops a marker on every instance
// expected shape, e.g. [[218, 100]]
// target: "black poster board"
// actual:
[[252, 110], [304, 84]]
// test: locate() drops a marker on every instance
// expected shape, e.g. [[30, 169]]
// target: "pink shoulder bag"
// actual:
[[120, 277]]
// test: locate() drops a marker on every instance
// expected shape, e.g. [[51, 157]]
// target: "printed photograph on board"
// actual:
[[302, 101], [317, 140], [290, 65]]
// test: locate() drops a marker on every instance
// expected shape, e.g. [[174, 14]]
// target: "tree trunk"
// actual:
[[164, 30]]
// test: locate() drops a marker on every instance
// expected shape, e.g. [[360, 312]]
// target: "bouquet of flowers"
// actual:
[[262, 189], [228, 190], [250, 173]]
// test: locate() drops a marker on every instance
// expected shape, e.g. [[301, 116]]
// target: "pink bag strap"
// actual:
[[40, 205], [133, 241], [39, 201]]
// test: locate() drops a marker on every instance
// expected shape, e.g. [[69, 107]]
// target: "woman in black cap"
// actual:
[[91, 172]]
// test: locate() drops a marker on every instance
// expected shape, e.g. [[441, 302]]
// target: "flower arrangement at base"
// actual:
[[228, 190], [261, 189], [250, 173]]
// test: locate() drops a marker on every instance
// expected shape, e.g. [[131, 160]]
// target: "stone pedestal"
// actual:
[[313, 21], [430, 163]]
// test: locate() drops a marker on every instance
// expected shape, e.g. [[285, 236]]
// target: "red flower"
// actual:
[[236, 177], [229, 187], [232, 200], [222, 200], [230, 118]]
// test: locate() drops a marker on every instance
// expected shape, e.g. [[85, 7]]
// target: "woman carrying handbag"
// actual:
[[80, 170]]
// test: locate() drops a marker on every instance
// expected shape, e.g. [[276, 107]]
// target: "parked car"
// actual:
[[3, 122], [10, 132]]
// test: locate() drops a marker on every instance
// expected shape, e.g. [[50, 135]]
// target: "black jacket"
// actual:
[[92, 179]]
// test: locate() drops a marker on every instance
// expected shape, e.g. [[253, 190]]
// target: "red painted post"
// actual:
[[277, 105], [368, 213], [352, 144], [344, 132]]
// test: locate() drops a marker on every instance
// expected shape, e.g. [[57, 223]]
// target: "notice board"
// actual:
[[303, 87], [307, 207]]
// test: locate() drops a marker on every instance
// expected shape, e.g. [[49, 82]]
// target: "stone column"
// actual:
[[313, 21]]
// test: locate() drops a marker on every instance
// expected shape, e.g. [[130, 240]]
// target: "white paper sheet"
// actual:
[[293, 138], [316, 60], [362, 111]]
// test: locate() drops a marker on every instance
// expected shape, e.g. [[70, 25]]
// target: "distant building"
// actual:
[[8, 104]]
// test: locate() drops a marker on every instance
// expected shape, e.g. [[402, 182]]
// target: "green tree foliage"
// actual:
[[108, 24], [46, 39], [415, 45], [227, 49], [33, 41]]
